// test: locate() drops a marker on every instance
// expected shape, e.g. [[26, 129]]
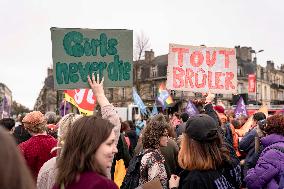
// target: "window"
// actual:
[[239, 71], [154, 91], [139, 70], [123, 93], [265, 93], [240, 88], [110, 95], [173, 93], [280, 95], [154, 71]]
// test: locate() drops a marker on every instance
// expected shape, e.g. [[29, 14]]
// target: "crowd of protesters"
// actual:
[[211, 150]]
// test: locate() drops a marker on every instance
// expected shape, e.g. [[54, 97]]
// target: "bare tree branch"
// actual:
[[142, 44]]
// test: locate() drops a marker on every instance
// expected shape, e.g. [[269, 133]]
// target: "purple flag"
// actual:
[[241, 108], [64, 105], [5, 108], [191, 109]]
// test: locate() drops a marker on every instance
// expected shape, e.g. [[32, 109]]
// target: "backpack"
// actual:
[[131, 179]]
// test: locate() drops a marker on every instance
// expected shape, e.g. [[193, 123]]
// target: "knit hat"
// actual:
[[202, 128], [34, 122], [219, 109], [34, 118]]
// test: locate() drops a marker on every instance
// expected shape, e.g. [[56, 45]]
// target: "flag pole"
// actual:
[[64, 110]]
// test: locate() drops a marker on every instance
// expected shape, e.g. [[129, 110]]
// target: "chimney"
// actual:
[[49, 72], [270, 65], [149, 55]]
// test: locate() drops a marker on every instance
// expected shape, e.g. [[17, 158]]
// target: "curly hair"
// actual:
[[275, 124], [154, 130]]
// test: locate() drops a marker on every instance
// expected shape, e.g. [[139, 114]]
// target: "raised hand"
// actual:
[[98, 90], [96, 85]]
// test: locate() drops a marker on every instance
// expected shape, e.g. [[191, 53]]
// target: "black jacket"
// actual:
[[211, 179]]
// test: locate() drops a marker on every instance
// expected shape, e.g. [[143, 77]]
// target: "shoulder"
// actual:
[[48, 166], [47, 173], [152, 155], [271, 154]]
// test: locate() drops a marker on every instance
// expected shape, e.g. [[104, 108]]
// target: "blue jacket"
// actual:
[[269, 165]]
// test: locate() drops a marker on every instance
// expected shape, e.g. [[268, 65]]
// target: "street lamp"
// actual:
[[255, 58]]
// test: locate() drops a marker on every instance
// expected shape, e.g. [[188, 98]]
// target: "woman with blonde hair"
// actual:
[[14, 173], [48, 172]]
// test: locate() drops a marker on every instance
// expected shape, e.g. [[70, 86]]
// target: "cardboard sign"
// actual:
[[153, 184], [78, 53], [202, 69]]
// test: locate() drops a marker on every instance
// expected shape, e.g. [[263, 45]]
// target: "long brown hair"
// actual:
[[81, 143], [14, 173], [195, 155]]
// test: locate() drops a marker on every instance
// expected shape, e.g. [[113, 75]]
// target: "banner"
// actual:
[[78, 53], [139, 102], [202, 69], [251, 83], [5, 108], [83, 99], [191, 109], [164, 97], [241, 108]]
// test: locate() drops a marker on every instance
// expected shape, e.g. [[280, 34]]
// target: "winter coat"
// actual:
[[269, 165]]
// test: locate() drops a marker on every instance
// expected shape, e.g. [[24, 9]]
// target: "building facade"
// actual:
[[48, 98], [151, 72]]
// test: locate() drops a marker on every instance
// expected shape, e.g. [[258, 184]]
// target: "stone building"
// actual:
[[48, 98], [150, 72]]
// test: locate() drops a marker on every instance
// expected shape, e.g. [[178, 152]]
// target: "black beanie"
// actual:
[[202, 128]]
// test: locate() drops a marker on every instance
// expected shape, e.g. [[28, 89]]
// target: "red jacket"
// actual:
[[36, 151]]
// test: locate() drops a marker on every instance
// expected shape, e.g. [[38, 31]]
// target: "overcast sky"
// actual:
[[25, 49]]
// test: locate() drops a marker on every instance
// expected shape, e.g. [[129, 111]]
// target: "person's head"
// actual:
[[64, 124], [275, 124], [124, 126], [131, 124], [231, 115], [21, 117], [201, 145], [257, 117], [177, 115], [7, 123], [219, 109], [242, 119], [156, 133], [235, 123], [50, 117], [184, 117], [14, 173], [89, 146], [35, 122]]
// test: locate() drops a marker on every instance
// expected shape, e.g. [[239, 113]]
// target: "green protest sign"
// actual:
[[78, 53]]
